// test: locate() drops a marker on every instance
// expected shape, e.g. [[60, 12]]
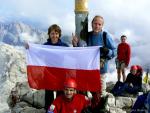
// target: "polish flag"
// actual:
[[49, 66]]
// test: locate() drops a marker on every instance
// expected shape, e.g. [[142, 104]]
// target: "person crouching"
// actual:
[[70, 101]]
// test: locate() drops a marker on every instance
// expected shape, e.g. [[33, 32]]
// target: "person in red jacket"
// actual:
[[70, 102], [123, 57]]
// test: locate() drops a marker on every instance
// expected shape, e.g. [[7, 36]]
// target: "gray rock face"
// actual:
[[119, 104], [13, 69], [23, 99], [16, 95]]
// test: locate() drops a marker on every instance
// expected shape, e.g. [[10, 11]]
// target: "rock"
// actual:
[[22, 93], [23, 107], [111, 100]]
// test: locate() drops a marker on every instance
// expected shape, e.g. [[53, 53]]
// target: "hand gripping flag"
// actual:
[[49, 66]]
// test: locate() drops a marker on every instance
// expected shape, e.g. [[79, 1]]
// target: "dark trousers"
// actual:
[[121, 88], [118, 88], [49, 97]]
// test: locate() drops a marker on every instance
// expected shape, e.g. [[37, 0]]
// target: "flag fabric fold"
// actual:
[[49, 66]]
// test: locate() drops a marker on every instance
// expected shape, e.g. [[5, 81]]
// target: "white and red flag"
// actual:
[[49, 66]]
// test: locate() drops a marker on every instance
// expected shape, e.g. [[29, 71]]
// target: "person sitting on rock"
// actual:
[[70, 101], [132, 84]]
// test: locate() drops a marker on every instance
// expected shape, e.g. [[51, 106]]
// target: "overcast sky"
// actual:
[[129, 17]]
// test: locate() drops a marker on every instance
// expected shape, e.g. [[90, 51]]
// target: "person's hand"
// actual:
[[102, 63], [26, 45], [131, 84], [104, 51], [75, 40]]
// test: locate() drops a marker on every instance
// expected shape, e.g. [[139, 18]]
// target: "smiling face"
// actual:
[[54, 33], [97, 24], [54, 36], [69, 92]]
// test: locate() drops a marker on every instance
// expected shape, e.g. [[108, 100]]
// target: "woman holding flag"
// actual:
[[54, 33]]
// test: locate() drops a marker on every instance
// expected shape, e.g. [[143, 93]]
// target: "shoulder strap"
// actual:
[[104, 38], [88, 39]]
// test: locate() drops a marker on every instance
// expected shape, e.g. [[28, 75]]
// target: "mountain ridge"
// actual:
[[16, 33]]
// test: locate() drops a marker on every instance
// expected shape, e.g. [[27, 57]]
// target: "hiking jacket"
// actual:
[[124, 53], [134, 79], [59, 43], [62, 105], [97, 40]]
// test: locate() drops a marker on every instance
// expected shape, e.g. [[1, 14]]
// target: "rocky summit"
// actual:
[[18, 97]]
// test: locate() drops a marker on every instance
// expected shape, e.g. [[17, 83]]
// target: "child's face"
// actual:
[[54, 36]]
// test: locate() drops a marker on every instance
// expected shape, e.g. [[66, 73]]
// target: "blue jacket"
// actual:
[[59, 43], [139, 105], [97, 40]]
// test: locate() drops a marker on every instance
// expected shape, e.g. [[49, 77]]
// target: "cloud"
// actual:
[[45, 12], [25, 37], [120, 15], [2, 19]]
